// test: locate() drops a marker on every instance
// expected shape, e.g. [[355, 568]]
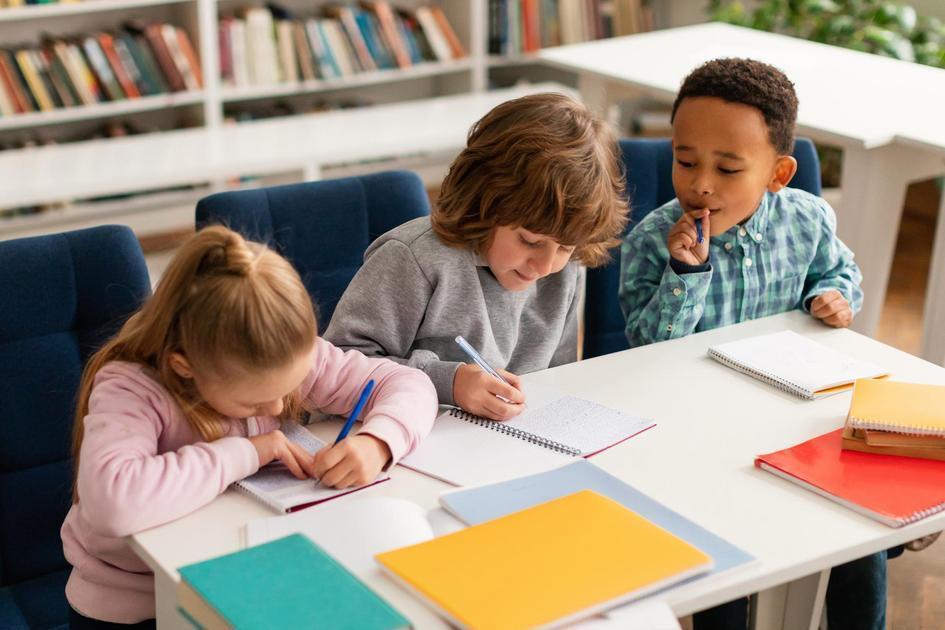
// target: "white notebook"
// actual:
[[278, 488], [464, 449], [794, 364]]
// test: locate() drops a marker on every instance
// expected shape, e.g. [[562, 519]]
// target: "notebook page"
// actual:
[[582, 424], [798, 360], [461, 453], [279, 487]]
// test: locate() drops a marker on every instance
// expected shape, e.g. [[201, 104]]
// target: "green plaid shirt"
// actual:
[[784, 255]]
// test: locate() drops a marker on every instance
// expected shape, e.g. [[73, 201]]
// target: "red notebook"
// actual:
[[891, 489]]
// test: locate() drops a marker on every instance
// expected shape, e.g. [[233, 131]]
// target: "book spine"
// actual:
[[770, 379], [515, 432]]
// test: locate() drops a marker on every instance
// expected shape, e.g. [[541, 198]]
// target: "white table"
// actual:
[[711, 422], [885, 114]]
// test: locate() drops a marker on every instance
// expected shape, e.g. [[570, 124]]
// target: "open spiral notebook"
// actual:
[[465, 449]]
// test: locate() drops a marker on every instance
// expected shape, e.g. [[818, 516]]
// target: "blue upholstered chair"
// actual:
[[62, 296], [322, 227], [649, 164]]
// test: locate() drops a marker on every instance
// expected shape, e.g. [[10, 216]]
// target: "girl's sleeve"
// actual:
[[400, 410], [124, 484]]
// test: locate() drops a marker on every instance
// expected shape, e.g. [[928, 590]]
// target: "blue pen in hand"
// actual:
[[478, 360], [365, 394], [699, 236]]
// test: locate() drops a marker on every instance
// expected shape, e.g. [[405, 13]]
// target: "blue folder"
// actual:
[[484, 503]]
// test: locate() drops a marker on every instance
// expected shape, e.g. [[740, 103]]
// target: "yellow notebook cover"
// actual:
[[898, 407], [546, 565]]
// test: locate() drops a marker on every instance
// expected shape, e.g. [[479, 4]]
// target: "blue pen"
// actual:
[[477, 358], [365, 393], [699, 236]]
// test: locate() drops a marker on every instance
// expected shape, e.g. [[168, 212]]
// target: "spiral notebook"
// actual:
[[890, 489], [278, 488], [794, 364], [465, 449]]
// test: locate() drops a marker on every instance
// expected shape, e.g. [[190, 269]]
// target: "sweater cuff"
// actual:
[[241, 453], [390, 432], [442, 373], [682, 268]]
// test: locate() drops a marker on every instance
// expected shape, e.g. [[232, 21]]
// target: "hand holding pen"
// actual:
[[485, 391], [354, 461], [688, 239]]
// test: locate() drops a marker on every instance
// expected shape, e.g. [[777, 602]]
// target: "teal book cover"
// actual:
[[288, 583]]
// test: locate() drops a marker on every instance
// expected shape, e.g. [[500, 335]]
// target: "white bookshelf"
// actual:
[[209, 107]]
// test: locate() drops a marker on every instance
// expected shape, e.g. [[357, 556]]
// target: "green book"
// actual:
[[286, 583]]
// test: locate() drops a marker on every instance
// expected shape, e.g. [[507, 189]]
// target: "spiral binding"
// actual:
[[918, 516], [774, 381], [515, 432]]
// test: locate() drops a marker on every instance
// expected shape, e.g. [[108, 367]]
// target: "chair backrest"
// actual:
[[649, 165], [322, 228], [63, 295]]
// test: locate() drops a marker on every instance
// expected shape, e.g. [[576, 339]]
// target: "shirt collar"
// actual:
[[756, 224]]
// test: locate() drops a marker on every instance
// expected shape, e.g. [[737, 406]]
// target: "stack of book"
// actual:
[[891, 418], [138, 60], [264, 46], [521, 26]]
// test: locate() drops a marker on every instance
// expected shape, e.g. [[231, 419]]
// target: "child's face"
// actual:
[[723, 160], [243, 393], [518, 257]]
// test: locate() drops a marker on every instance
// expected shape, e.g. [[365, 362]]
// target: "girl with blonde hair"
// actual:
[[188, 398]]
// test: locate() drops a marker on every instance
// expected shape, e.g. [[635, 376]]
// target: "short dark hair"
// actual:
[[752, 83]]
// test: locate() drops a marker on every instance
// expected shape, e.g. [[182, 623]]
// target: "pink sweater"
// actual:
[[142, 465]]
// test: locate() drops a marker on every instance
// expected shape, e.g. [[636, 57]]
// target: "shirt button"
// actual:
[[758, 237], [748, 262], [669, 328], [742, 232], [677, 291], [728, 247]]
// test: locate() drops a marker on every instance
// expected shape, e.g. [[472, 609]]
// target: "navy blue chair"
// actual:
[[322, 228], [63, 295], [649, 164]]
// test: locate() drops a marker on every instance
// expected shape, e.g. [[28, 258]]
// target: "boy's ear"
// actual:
[[180, 365], [784, 170]]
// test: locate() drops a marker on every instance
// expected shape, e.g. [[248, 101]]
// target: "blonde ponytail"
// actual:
[[222, 301]]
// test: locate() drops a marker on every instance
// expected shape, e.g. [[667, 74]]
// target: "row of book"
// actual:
[[21, 3], [521, 26], [139, 60], [264, 46]]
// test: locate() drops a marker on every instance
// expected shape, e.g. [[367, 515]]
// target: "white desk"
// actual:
[[885, 113], [711, 422]]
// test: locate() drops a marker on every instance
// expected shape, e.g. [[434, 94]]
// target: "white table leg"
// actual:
[[874, 188], [797, 605], [933, 337], [165, 604]]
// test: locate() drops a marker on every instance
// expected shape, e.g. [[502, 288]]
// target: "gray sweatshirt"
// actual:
[[414, 294]]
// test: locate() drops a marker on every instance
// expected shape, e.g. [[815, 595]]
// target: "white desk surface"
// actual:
[[151, 161], [698, 460], [853, 98]]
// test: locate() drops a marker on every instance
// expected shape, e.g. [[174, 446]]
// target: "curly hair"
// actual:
[[751, 83], [542, 162]]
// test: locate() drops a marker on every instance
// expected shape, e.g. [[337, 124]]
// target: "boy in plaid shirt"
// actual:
[[765, 249]]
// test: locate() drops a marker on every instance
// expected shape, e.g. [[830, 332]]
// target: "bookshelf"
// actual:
[[218, 102]]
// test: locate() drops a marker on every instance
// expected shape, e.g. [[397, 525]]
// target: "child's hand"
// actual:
[[275, 446], [832, 309], [478, 392], [355, 461], [683, 240]]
